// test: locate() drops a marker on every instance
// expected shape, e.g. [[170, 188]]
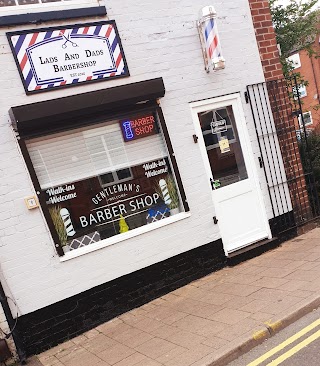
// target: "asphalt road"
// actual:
[[296, 345]]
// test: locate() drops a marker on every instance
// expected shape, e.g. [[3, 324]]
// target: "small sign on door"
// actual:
[[224, 145], [218, 126]]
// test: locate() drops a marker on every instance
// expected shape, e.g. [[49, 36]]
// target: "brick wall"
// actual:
[[310, 71], [266, 39], [281, 107]]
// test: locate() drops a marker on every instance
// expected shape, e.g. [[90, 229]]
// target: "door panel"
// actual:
[[229, 165]]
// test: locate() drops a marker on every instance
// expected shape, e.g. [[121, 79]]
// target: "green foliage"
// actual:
[[310, 155], [296, 28], [58, 224], [172, 190], [295, 24]]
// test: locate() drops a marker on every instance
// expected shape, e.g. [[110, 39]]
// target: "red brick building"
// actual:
[[309, 68], [281, 105], [266, 39]]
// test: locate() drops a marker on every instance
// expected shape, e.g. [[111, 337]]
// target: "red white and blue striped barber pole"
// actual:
[[208, 31]]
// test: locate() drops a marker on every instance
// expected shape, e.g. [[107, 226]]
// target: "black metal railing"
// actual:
[[284, 152]]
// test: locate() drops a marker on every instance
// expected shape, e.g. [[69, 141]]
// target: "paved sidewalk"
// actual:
[[210, 320]]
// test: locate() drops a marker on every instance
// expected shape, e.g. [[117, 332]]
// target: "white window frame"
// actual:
[[302, 90], [131, 233], [295, 60], [54, 6], [308, 123]]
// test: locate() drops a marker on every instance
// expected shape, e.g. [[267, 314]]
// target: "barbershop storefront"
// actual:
[[104, 174], [132, 169]]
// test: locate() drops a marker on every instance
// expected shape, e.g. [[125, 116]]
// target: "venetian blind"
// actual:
[[79, 154]]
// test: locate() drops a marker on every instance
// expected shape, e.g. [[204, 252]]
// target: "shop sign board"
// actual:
[[50, 58]]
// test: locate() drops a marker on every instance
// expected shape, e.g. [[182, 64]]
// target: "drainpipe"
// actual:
[[12, 325], [315, 80]]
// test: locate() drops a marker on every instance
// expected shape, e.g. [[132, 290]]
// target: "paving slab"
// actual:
[[210, 321]]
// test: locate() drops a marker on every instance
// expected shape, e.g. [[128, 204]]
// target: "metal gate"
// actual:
[[284, 152]]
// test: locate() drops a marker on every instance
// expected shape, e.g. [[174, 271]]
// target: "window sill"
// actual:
[[122, 237], [44, 16]]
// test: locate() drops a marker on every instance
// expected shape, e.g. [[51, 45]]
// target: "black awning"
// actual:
[[81, 109]]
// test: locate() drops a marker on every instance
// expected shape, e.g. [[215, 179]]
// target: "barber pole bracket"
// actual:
[[209, 39]]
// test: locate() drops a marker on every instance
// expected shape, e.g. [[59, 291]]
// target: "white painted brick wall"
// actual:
[[160, 40]]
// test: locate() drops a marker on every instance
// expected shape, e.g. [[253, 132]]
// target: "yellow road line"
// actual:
[[295, 349], [290, 340]]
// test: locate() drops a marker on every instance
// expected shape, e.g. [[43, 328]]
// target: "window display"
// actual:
[[106, 179]]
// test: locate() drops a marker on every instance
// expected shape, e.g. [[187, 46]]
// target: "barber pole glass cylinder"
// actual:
[[209, 37]]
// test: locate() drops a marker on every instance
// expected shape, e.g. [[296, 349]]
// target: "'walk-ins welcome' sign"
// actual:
[[62, 56]]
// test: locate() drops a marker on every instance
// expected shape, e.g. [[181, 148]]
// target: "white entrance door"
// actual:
[[228, 158]]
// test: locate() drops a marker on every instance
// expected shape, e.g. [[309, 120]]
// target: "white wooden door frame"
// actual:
[[220, 102]]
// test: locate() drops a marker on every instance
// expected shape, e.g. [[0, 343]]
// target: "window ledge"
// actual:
[[121, 237], [36, 18]]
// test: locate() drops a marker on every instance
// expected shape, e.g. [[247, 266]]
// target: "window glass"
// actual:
[[106, 179], [223, 146], [301, 91], [307, 117]]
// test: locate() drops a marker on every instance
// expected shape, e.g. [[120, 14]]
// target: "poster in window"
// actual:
[[87, 211]]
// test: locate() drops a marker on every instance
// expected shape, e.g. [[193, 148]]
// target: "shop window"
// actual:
[[106, 179]]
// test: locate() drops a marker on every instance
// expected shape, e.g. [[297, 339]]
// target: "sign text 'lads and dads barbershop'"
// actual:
[[54, 57]]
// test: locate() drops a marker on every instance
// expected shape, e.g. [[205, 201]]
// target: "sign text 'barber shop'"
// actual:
[[138, 127]]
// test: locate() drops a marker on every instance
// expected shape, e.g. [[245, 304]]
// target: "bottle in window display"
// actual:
[[123, 225]]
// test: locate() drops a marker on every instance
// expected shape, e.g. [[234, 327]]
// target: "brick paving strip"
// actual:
[[211, 320]]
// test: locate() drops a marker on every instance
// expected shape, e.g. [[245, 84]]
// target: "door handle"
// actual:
[[212, 184], [260, 161]]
